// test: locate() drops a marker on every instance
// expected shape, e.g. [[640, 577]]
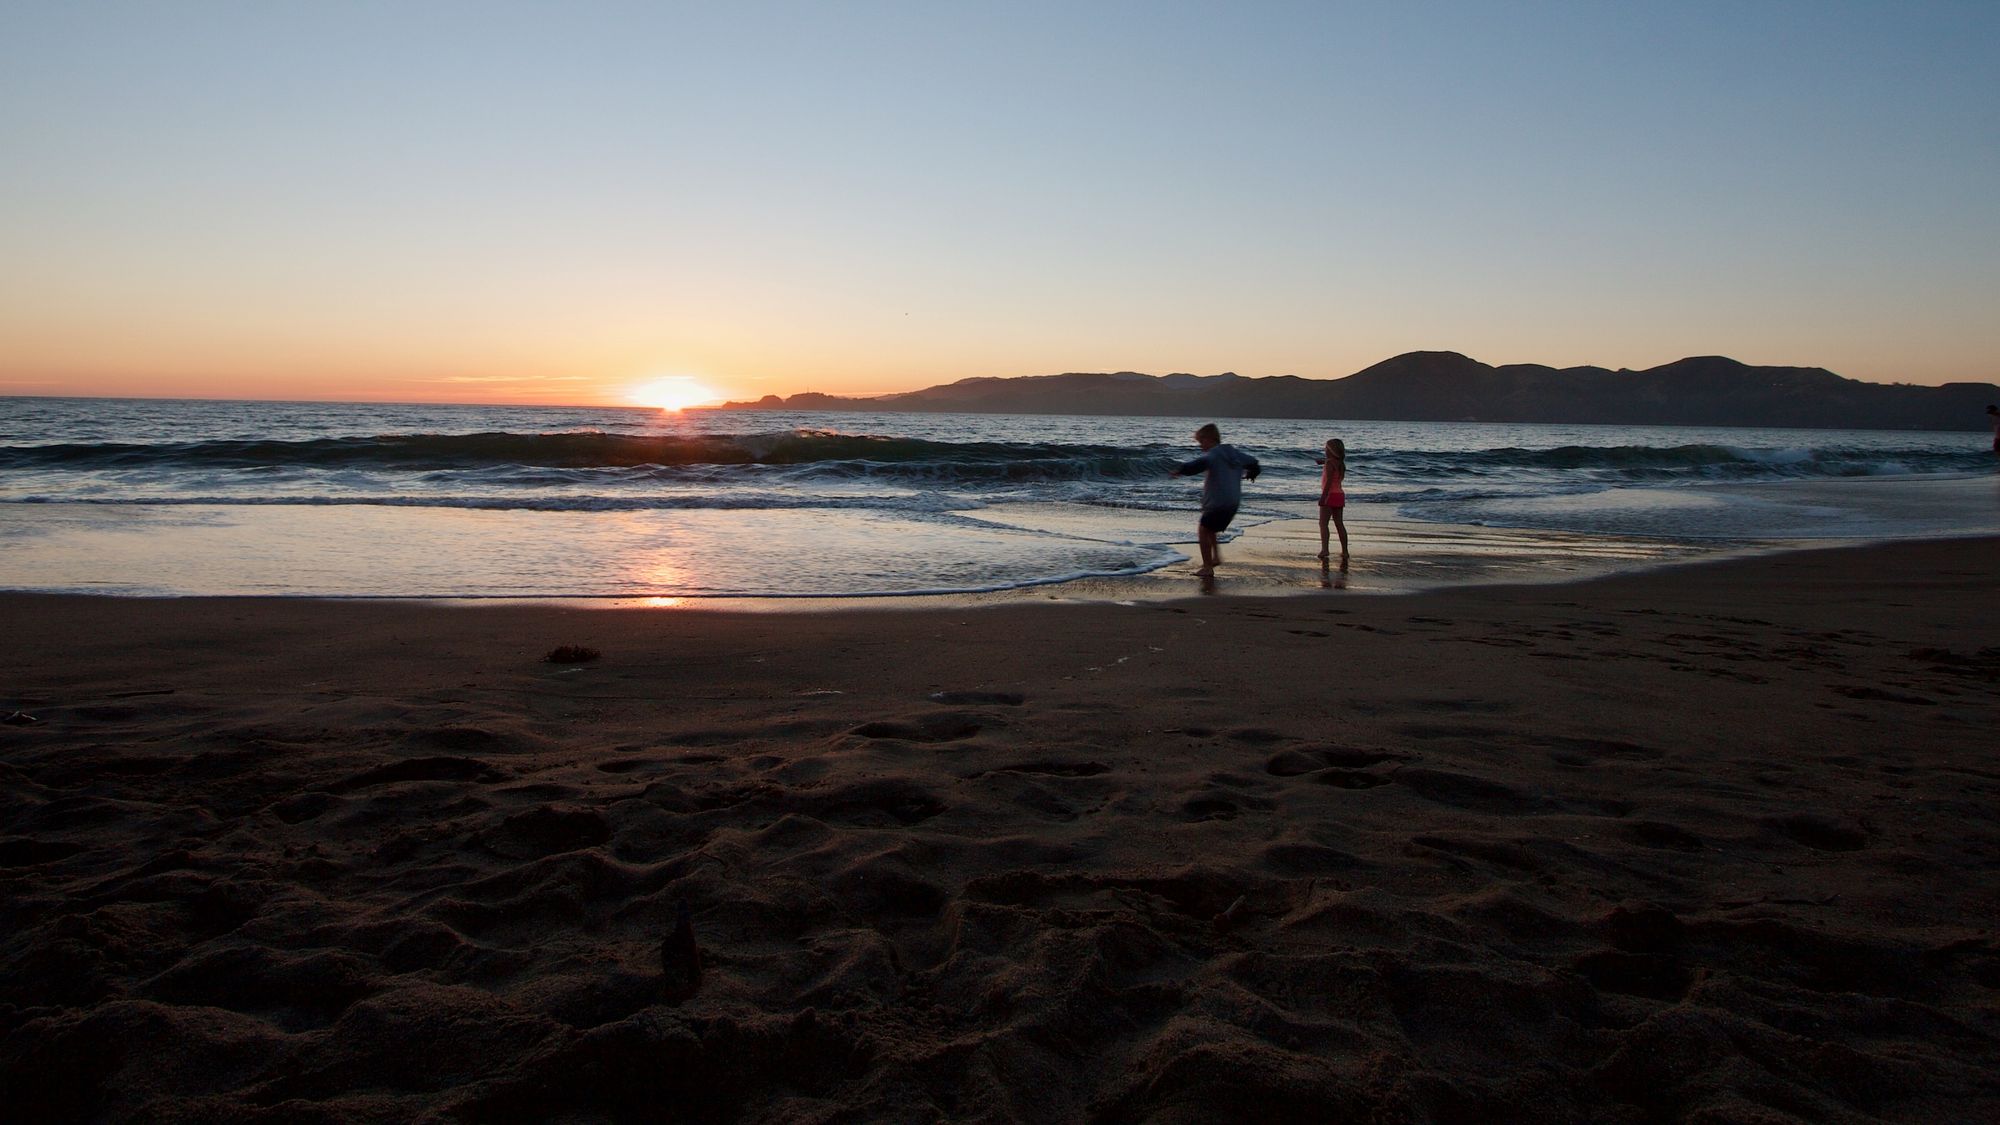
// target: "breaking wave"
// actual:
[[840, 454]]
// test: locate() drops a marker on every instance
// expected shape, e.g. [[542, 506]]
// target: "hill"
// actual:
[[1449, 387]]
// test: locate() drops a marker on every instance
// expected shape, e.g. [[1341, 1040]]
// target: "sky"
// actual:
[[563, 202]]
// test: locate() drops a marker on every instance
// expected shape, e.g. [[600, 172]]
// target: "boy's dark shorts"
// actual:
[[1217, 519]]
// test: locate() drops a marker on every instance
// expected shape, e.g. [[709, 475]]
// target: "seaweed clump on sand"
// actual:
[[571, 654]]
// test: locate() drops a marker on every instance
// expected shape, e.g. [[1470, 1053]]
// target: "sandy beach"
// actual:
[[1718, 842]]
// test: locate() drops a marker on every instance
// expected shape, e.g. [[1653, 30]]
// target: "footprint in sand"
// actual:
[[1432, 731], [301, 807], [1879, 694], [1465, 791], [964, 698], [1294, 763], [1348, 779], [462, 740], [1566, 750], [887, 884], [875, 803], [1052, 769], [1208, 808], [545, 831], [1655, 834], [1654, 976], [22, 851], [1219, 806], [1822, 833], [944, 726], [420, 769]]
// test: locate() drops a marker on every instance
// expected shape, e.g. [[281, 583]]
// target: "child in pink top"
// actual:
[[1332, 496]]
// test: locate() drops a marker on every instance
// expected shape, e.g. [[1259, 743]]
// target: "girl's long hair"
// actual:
[[1336, 450]]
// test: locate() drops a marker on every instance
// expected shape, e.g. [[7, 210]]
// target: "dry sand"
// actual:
[[1719, 843]]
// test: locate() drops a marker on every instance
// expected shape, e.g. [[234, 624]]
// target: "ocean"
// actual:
[[185, 497]]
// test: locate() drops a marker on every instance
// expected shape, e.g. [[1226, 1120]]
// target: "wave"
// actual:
[[844, 454], [500, 467], [519, 503], [1643, 463]]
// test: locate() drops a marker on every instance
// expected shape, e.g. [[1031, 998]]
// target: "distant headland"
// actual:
[[1449, 387]]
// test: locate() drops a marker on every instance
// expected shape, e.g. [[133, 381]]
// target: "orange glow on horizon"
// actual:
[[672, 393]]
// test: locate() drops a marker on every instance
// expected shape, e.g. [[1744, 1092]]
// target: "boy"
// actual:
[[1221, 493]]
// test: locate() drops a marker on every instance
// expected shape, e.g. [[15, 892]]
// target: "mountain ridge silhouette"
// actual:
[[1444, 386]]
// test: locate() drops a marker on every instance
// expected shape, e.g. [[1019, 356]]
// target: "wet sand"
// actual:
[[1713, 843]]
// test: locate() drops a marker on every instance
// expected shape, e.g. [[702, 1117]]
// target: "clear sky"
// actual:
[[556, 201]]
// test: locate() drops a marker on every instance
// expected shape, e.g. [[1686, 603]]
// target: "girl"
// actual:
[[1332, 496]]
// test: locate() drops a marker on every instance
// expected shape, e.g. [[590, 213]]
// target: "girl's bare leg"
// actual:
[[1323, 511], [1339, 522]]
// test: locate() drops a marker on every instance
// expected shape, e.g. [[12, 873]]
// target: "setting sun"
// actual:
[[672, 392]]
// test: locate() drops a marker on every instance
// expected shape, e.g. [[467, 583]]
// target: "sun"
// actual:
[[671, 392]]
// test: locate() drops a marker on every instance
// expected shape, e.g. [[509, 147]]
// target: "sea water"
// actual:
[[185, 497]]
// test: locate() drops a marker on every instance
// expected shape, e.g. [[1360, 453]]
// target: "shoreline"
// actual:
[[1720, 837], [1186, 589], [998, 552], [1270, 571]]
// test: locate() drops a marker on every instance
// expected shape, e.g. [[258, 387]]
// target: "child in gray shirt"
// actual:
[[1221, 492]]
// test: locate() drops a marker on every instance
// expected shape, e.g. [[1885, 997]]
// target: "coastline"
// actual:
[[1717, 836]]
